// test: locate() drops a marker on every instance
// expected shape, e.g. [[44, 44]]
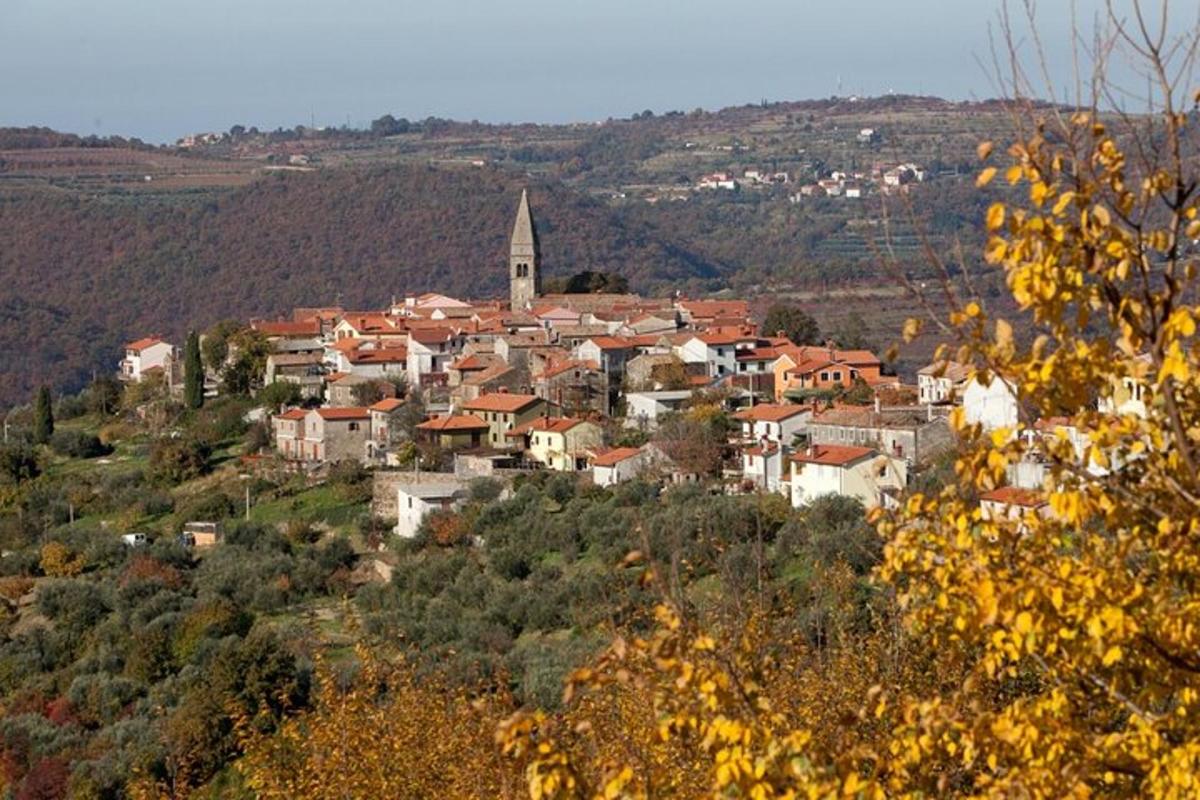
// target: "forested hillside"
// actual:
[[82, 275]]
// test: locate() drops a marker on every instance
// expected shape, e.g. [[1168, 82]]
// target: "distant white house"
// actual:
[[774, 422], [645, 409], [859, 472], [144, 356], [416, 500], [1129, 394], [618, 465], [429, 353], [762, 465], [942, 382], [991, 406], [717, 180]]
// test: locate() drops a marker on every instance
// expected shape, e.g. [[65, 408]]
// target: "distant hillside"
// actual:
[[82, 275]]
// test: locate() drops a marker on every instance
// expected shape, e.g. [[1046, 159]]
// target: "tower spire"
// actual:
[[524, 257]]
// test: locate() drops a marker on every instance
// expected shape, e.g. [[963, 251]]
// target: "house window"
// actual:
[[353, 426], [824, 376], [837, 375], [742, 367], [720, 351], [410, 502]]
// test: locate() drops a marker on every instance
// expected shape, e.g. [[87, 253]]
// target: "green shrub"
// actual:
[[173, 461], [78, 444]]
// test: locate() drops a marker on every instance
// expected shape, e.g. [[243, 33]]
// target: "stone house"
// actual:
[[505, 411], [577, 386], [913, 434], [454, 431]]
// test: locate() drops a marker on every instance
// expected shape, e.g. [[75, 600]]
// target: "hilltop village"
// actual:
[[434, 391]]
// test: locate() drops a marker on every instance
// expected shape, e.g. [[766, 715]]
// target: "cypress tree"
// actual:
[[43, 416], [193, 372]]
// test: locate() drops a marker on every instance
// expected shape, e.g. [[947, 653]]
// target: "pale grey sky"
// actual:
[[161, 68]]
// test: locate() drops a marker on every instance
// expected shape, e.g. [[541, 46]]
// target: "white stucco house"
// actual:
[[416, 500], [618, 465], [763, 465], [942, 382], [143, 356], [775, 422], [644, 409], [859, 472], [992, 406]]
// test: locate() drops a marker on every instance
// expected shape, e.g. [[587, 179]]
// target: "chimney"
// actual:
[[811, 451]]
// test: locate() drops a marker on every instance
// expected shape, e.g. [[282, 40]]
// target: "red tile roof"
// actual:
[[770, 412], [431, 335], [470, 362], [503, 402], [346, 412], [371, 323], [758, 354], [615, 456], [142, 344], [1014, 496], [382, 355], [809, 366], [612, 342], [834, 454], [387, 405], [546, 425], [565, 366], [456, 422], [293, 414], [347, 344], [855, 358], [716, 308]]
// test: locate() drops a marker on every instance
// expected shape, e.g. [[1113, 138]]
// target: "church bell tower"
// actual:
[[524, 269]]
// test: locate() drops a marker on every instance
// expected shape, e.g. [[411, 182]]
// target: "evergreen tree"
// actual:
[[43, 416], [793, 322], [193, 372]]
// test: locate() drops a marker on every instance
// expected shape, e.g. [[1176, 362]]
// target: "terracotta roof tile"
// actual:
[[770, 412], [142, 344], [382, 355], [387, 405], [345, 412], [1015, 496], [456, 422], [833, 454], [503, 402], [615, 456], [546, 425]]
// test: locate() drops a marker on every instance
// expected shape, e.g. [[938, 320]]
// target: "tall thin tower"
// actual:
[[524, 259]]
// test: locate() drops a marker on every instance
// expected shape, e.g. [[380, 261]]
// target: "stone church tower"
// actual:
[[524, 269]]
